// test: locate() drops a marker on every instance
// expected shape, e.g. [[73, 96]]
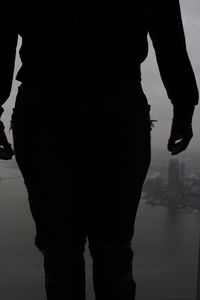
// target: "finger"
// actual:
[[179, 141], [180, 146], [6, 152], [4, 155], [172, 143], [8, 149], [173, 147]]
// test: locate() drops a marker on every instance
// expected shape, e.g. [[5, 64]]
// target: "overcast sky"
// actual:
[[161, 108]]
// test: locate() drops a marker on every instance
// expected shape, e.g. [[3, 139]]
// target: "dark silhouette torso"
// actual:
[[95, 42], [95, 39]]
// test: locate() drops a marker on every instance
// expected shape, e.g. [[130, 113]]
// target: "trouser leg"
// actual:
[[112, 271], [60, 232], [53, 177], [65, 273], [121, 161]]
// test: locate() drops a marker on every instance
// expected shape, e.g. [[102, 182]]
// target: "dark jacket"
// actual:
[[95, 40]]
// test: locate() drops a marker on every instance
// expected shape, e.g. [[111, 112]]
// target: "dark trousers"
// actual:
[[84, 154]]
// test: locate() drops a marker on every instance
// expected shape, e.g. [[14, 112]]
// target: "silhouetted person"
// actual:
[[81, 127]]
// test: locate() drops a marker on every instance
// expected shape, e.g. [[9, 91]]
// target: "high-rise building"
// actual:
[[182, 170], [173, 182]]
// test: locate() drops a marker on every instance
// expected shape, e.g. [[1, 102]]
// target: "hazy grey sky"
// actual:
[[161, 108]]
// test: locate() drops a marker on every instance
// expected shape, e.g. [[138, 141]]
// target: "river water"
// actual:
[[165, 246]]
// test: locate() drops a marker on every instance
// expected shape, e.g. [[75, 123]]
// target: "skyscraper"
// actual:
[[182, 170], [173, 182]]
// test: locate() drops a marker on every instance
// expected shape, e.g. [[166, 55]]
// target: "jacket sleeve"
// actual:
[[167, 34], [9, 38]]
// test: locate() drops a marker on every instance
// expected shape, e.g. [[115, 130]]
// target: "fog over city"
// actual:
[[165, 242]]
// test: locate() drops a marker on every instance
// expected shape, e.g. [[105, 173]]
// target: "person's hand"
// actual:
[[6, 151], [181, 130], [181, 134]]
